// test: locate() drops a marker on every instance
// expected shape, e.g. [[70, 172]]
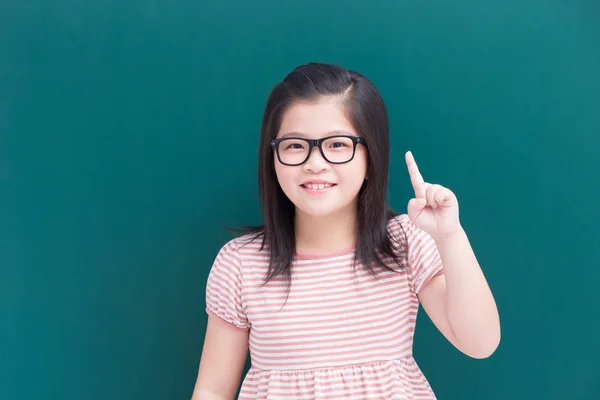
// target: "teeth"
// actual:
[[318, 186]]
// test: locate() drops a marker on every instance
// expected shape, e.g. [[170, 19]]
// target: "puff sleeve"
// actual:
[[423, 256], [224, 288]]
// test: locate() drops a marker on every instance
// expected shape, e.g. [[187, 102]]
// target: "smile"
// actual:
[[315, 188]]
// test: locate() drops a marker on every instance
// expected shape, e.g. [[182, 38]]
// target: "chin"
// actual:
[[317, 213], [318, 210]]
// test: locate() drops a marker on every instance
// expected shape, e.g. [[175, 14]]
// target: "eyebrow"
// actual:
[[304, 135]]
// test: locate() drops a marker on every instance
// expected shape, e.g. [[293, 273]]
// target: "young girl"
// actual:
[[325, 294]]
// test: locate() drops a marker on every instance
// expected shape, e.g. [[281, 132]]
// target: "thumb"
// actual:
[[414, 207]]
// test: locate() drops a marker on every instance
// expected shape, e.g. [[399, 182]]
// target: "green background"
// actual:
[[128, 140]]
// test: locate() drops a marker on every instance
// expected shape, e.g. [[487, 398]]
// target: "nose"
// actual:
[[316, 162]]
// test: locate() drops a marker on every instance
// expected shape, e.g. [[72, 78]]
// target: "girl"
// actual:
[[325, 294]]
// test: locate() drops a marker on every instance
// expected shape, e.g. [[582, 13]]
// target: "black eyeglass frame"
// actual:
[[317, 143]]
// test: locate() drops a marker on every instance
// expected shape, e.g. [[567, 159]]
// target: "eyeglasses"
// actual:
[[338, 149]]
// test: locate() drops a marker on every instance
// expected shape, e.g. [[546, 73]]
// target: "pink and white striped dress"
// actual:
[[340, 335]]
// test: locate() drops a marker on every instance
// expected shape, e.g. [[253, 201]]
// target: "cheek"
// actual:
[[352, 180], [357, 171], [285, 177]]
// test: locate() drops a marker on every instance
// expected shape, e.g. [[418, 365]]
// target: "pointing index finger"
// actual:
[[415, 176]]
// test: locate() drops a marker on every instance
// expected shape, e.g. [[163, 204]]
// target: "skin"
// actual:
[[459, 302]]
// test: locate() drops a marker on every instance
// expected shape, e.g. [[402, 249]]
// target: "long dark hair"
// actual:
[[366, 111]]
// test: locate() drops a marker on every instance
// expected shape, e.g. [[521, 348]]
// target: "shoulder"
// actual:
[[398, 222], [407, 235], [399, 226], [248, 245], [231, 259], [403, 226], [240, 248]]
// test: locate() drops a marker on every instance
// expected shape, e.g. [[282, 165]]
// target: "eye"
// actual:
[[294, 146], [338, 144]]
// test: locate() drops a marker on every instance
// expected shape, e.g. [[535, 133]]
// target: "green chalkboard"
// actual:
[[115, 188]]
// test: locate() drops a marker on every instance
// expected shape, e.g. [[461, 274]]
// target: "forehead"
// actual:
[[315, 120]]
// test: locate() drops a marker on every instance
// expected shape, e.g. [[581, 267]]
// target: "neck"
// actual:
[[325, 235]]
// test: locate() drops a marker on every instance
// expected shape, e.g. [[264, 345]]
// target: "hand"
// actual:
[[434, 208]]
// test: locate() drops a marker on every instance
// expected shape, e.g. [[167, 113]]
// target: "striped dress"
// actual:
[[342, 334]]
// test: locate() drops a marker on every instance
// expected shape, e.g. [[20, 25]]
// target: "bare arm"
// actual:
[[460, 303], [222, 363]]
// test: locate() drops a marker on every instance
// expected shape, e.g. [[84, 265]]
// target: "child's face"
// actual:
[[314, 121]]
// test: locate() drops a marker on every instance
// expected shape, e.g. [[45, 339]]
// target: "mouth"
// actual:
[[315, 188]]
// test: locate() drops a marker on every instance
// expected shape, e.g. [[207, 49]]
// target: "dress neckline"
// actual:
[[341, 252]]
